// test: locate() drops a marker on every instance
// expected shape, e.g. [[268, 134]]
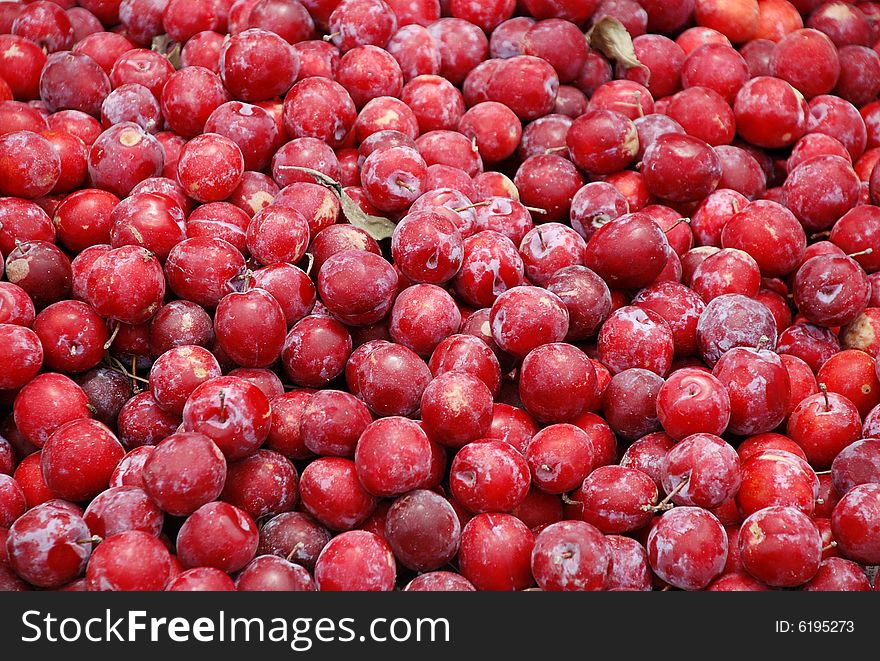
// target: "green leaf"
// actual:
[[376, 226]]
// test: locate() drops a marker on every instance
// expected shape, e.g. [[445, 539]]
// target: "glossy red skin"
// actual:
[[854, 523], [45, 404], [234, 413], [189, 97], [339, 286], [692, 533], [770, 234], [126, 284], [123, 156], [273, 574], [142, 422], [838, 575], [356, 560], [123, 508], [293, 535], [617, 499], [571, 391], [331, 492], [617, 245], [201, 579], [647, 453], [262, 484], [422, 316], [780, 546], [754, 408], [25, 356], [728, 271], [308, 346], [692, 401], [570, 555], [491, 265], [856, 464], [217, 535], [652, 352], [770, 113], [43, 548], [594, 205], [852, 373], [831, 290], [490, 565], [378, 448], [712, 469], [29, 476], [130, 561], [443, 417], [331, 423], [663, 164], [602, 141], [776, 477], [90, 446]]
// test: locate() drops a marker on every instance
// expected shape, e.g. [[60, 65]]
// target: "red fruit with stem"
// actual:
[[232, 412], [693, 401]]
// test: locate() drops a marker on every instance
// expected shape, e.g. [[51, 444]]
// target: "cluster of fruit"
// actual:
[[439, 294]]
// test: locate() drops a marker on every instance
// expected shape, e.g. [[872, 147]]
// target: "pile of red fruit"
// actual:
[[439, 294]]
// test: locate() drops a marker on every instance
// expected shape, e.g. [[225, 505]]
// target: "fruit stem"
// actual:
[[861, 253], [569, 501], [297, 547], [828, 472], [311, 259], [666, 503], [331, 36], [763, 341], [134, 377], [109, 342], [484, 203], [830, 546], [820, 235], [676, 224], [94, 539], [536, 210], [824, 390], [222, 406]]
